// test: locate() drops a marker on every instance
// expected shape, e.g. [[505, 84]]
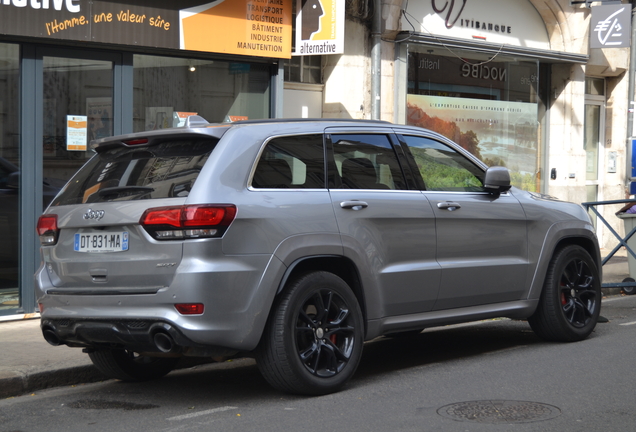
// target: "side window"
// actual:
[[443, 168], [296, 162], [366, 161]]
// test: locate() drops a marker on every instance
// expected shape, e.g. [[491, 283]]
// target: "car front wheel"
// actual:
[[571, 299], [313, 341]]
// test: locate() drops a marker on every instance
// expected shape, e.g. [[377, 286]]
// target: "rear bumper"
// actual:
[[237, 296], [145, 336]]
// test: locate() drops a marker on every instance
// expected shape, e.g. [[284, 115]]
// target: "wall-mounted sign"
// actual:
[[319, 27], [499, 21], [610, 26], [76, 132], [245, 27]]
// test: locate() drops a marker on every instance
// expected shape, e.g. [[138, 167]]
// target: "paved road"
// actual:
[[511, 379]]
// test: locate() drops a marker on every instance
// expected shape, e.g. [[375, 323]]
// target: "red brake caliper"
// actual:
[[563, 299]]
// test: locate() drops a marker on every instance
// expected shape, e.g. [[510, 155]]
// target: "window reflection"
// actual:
[[9, 178], [167, 90]]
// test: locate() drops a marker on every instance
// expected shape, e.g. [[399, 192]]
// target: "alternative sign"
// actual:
[[245, 27], [319, 27]]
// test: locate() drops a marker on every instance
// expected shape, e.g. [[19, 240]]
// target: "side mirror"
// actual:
[[497, 180], [13, 180]]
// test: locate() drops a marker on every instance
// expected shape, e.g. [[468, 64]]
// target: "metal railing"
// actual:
[[622, 241]]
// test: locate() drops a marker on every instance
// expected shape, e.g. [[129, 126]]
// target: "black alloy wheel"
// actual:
[[325, 333], [579, 299], [313, 340], [570, 302]]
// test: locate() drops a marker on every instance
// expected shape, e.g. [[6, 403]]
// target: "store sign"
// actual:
[[610, 26], [319, 27], [245, 27], [499, 21]]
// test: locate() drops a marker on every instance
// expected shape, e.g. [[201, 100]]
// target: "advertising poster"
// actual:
[[497, 132], [245, 27], [319, 27], [76, 132]]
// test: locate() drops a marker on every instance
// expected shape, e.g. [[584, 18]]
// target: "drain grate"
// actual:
[[499, 411]]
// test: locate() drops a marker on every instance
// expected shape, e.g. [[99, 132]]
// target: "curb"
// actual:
[[16, 384], [13, 384]]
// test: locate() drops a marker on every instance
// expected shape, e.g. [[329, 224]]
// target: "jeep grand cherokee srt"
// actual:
[[296, 241]]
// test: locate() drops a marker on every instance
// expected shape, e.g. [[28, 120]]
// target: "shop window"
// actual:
[[487, 104], [304, 69], [9, 178], [167, 89], [594, 86]]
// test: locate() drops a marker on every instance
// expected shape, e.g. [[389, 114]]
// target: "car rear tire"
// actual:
[[313, 340], [570, 303], [129, 366]]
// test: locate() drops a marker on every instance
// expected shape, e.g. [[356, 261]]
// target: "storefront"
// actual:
[[480, 72], [75, 70], [539, 86]]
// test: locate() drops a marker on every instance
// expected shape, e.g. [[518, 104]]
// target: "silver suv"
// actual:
[[296, 241]]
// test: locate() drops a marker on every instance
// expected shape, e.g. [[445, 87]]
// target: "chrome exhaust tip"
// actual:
[[51, 336], [164, 342]]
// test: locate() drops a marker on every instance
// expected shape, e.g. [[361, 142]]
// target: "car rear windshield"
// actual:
[[165, 170]]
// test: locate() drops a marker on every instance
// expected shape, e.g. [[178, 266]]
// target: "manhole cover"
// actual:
[[499, 411]]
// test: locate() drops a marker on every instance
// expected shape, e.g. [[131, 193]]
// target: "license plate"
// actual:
[[101, 242]]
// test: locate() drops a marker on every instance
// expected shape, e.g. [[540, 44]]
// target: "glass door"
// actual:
[[77, 104], [68, 97], [9, 178]]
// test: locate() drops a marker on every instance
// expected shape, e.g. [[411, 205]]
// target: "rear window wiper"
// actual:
[[125, 191]]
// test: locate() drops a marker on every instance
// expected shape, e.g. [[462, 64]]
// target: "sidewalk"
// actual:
[[28, 363]]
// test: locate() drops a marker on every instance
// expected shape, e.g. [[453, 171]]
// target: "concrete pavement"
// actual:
[[28, 363]]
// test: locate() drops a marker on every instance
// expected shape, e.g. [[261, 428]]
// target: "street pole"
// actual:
[[376, 59]]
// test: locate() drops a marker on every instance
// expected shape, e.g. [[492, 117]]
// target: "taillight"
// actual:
[[189, 308], [47, 229], [188, 222]]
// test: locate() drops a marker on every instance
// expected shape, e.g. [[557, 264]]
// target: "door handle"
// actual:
[[448, 205], [353, 205]]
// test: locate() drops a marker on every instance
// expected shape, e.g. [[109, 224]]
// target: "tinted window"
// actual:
[[166, 170], [292, 162], [443, 168], [366, 161]]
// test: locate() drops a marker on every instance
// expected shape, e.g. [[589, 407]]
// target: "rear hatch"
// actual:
[[91, 233]]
